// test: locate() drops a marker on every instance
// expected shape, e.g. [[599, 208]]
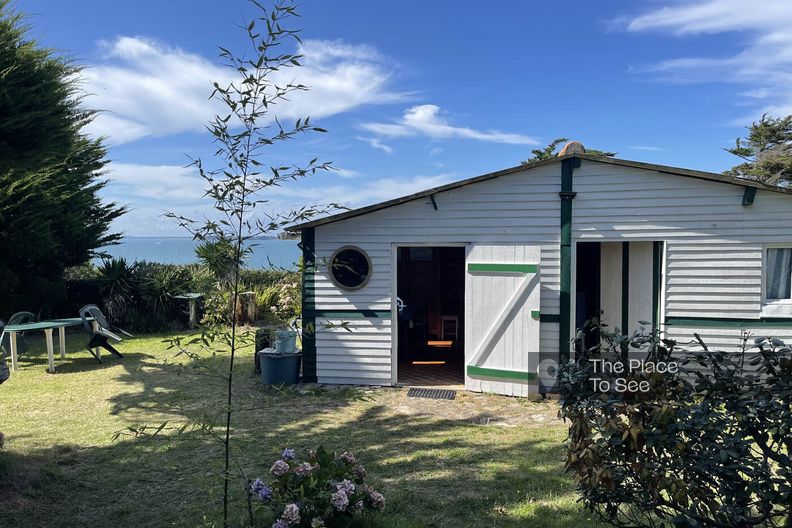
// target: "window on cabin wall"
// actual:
[[778, 274], [350, 268]]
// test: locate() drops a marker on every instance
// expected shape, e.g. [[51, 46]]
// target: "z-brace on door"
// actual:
[[502, 318]]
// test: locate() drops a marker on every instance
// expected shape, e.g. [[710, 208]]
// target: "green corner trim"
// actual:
[[567, 195], [726, 322], [625, 288], [351, 314], [308, 244], [748, 195], [657, 281], [535, 314], [503, 268], [484, 372]]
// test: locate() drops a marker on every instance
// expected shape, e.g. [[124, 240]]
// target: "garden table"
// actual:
[[47, 327]]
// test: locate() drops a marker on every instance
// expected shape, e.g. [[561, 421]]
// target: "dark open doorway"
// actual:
[[589, 291], [430, 285]]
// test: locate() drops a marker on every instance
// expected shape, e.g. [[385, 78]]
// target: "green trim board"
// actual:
[[625, 288], [726, 322], [657, 281], [549, 318], [502, 268], [536, 315], [351, 314], [484, 372], [566, 195], [308, 244]]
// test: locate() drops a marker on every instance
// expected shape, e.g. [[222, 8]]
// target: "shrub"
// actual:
[[324, 490], [707, 445]]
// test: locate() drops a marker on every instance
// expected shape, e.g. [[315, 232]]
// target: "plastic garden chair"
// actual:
[[17, 318], [5, 372], [100, 330]]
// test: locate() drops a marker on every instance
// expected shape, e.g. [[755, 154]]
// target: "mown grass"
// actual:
[[63, 467]]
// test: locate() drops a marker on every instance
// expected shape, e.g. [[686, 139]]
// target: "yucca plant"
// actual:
[[117, 287]]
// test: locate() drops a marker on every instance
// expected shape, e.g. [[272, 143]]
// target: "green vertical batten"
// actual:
[[657, 280], [308, 244], [748, 195], [567, 195], [625, 288]]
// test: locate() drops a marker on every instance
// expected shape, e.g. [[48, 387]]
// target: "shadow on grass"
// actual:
[[434, 472]]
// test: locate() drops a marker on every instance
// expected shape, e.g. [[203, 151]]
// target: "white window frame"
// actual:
[[773, 307]]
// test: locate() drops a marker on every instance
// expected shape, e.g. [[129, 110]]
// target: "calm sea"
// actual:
[[175, 250]]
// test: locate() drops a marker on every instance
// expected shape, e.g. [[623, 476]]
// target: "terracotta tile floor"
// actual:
[[431, 375]]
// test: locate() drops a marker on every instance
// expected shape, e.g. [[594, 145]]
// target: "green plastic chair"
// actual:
[[22, 346], [103, 334]]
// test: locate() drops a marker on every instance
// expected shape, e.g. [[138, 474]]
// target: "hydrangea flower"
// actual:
[[261, 490], [347, 486], [288, 454], [279, 468], [280, 523], [359, 472], [317, 523], [347, 457], [339, 500], [291, 514], [304, 469], [377, 500]]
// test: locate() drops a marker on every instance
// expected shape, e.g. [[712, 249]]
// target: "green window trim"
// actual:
[[502, 268], [484, 372]]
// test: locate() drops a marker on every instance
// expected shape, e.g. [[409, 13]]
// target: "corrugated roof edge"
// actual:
[[667, 169]]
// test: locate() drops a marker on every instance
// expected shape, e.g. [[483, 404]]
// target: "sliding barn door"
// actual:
[[502, 318]]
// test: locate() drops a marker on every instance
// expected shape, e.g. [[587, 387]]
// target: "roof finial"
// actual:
[[573, 147]]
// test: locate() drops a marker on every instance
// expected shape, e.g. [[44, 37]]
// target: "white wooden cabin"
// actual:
[[480, 280]]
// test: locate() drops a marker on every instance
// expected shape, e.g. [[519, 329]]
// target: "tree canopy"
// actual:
[[51, 215], [766, 151], [550, 151]]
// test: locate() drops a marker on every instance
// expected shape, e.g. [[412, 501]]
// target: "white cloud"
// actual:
[[147, 88], [171, 183], [366, 192], [646, 148], [425, 120], [764, 61], [377, 144]]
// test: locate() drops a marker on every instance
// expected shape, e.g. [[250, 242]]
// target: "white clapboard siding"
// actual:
[[522, 206], [713, 250]]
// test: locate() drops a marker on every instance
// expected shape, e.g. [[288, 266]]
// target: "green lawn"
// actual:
[[482, 460]]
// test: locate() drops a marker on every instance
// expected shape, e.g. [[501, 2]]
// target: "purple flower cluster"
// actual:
[[377, 500], [347, 457], [261, 490], [304, 469], [339, 500], [359, 472], [291, 514], [279, 468], [347, 486], [280, 523], [288, 454]]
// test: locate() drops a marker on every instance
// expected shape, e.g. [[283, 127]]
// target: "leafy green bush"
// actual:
[[707, 443], [324, 490]]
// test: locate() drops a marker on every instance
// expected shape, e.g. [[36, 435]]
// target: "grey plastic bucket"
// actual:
[[277, 369], [286, 342]]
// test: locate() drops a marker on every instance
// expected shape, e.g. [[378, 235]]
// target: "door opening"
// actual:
[[430, 286]]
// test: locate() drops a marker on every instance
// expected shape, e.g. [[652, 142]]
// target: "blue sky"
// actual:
[[417, 94]]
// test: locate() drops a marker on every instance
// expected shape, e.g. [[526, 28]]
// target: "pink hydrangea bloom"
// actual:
[[279, 468], [291, 514], [339, 500]]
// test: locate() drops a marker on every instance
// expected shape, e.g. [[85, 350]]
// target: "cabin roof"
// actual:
[[666, 169]]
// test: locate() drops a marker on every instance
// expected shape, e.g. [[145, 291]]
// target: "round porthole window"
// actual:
[[350, 268]]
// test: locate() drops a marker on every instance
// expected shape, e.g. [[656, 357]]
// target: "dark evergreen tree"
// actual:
[[550, 151], [51, 215]]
